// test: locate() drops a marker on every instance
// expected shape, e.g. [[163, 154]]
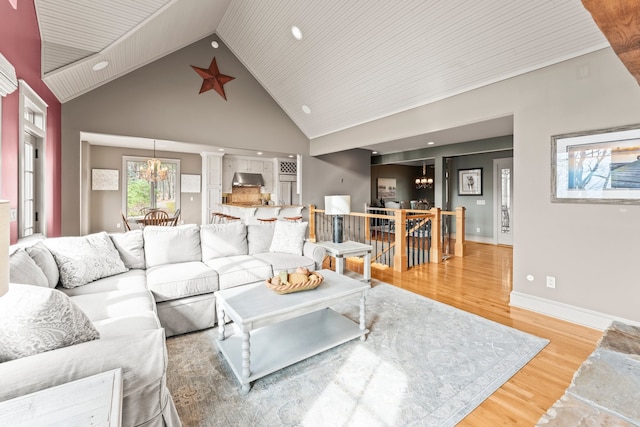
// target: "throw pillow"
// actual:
[[130, 246], [288, 237], [34, 320], [259, 237], [23, 269], [42, 256], [82, 260]]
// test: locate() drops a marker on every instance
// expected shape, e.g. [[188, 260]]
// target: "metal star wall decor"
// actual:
[[212, 78]]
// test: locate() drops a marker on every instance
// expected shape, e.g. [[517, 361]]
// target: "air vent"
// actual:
[[288, 168]]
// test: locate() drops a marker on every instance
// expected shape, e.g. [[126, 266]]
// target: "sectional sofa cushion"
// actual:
[[130, 246], [23, 269], [121, 325], [288, 237], [112, 304], [84, 259], [36, 319], [173, 281], [259, 237], [129, 280], [171, 245], [42, 256], [220, 240], [240, 270]]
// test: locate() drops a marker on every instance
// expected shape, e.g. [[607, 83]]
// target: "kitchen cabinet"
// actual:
[[212, 178], [233, 164]]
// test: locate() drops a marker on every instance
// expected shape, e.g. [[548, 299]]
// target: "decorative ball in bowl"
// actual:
[[301, 280]]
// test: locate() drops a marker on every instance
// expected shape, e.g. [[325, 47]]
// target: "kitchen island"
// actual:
[[250, 214]]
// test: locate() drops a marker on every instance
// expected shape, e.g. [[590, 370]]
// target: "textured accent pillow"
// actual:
[[34, 320], [42, 256], [130, 245], [82, 260], [23, 269], [288, 237]]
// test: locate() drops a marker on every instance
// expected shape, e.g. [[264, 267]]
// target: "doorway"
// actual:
[[503, 201]]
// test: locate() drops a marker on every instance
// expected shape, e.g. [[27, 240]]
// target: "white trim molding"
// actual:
[[8, 79], [570, 313]]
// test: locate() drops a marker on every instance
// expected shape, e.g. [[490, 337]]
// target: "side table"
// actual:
[[343, 250], [94, 400]]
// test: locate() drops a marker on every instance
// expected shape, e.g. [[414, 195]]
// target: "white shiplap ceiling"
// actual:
[[358, 60]]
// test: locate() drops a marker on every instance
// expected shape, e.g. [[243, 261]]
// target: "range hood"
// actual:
[[244, 179]]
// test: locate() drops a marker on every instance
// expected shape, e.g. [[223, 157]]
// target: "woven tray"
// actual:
[[314, 280]]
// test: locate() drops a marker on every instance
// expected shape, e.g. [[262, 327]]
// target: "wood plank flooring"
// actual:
[[480, 283]]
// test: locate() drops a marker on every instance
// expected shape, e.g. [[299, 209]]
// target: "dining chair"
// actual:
[[176, 218], [157, 217], [126, 223]]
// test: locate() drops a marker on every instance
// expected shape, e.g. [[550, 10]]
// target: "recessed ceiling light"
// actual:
[[374, 152], [259, 153], [297, 32], [430, 143], [291, 156], [214, 44], [220, 149], [100, 65], [306, 109]]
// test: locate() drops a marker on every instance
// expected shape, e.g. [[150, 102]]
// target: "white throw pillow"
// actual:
[[23, 269], [82, 260], [43, 257], [288, 237], [34, 320], [130, 246]]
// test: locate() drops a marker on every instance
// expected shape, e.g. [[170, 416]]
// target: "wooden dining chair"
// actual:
[[126, 223], [157, 217], [176, 218]]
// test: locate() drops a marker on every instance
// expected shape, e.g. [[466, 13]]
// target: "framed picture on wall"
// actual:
[[386, 188], [104, 179], [598, 166], [470, 182]]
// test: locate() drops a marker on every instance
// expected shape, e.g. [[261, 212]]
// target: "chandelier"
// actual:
[[424, 181], [153, 170]]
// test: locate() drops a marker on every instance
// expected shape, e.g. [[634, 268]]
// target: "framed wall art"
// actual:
[[470, 182], [104, 179], [386, 188], [190, 183], [599, 166]]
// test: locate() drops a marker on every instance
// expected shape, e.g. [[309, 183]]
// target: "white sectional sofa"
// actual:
[[127, 292]]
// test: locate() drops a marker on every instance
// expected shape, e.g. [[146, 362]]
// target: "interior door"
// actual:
[[503, 179]]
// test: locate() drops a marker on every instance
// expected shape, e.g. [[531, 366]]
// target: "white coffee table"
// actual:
[[275, 331]]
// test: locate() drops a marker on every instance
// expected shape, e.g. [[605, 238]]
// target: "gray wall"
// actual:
[[590, 249], [161, 101], [105, 206], [347, 172]]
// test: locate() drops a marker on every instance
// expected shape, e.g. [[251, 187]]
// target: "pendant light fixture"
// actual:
[[424, 181], [154, 170]]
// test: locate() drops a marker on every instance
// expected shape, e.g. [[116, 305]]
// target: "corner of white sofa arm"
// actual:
[[315, 252]]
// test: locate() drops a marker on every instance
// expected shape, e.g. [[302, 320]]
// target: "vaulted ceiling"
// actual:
[[357, 61]]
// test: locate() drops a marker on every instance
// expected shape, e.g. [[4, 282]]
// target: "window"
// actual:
[[142, 193], [33, 117]]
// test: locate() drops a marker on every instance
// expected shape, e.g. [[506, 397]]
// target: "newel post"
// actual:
[[400, 250], [461, 242], [436, 239], [312, 223]]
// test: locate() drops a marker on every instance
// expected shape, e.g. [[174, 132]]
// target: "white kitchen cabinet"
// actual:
[[212, 177]]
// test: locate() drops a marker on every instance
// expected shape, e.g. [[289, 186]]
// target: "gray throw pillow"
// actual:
[[34, 320], [83, 259], [43, 257], [23, 269]]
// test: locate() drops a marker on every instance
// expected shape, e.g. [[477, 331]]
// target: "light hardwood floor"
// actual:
[[480, 283]]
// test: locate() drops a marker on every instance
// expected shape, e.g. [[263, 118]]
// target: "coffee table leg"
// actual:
[[220, 322], [246, 362], [362, 318]]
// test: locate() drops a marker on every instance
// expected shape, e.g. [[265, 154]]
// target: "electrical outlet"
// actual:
[[13, 214], [478, 230], [551, 282]]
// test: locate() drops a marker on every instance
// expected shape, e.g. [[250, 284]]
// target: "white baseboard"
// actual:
[[570, 313], [479, 239]]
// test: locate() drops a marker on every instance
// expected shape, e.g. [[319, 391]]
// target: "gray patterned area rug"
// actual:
[[424, 363]]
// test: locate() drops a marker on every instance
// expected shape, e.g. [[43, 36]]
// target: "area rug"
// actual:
[[424, 363]]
